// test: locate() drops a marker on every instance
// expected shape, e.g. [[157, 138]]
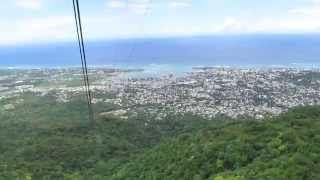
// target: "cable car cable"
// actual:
[[77, 15]]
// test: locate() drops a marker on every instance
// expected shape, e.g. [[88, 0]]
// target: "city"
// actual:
[[209, 92]]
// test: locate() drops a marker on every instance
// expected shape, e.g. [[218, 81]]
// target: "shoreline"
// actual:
[[171, 68]]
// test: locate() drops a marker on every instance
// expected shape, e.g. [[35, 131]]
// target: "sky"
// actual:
[[42, 21]]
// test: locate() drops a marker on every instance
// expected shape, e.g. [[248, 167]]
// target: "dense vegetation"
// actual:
[[41, 139], [287, 147]]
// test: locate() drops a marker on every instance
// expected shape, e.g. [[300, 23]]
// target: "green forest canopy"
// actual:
[[54, 142]]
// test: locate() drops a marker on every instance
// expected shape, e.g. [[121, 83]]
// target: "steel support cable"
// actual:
[[83, 49], [81, 55], [77, 16]]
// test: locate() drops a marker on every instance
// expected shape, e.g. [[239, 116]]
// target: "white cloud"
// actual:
[[227, 25], [140, 7], [267, 25], [231, 24], [116, 4], [61, 28], [55, 28], [135, 6], [288, 25], [177, 4], [306, 11], [315, 1], [309, 10], [303, 19], [144, 6], [29, 4]]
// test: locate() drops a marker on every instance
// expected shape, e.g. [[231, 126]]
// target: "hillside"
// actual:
[[44, 139], [40, 139], [287, 147]]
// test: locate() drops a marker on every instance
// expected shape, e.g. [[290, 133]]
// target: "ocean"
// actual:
[[173, 53]]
